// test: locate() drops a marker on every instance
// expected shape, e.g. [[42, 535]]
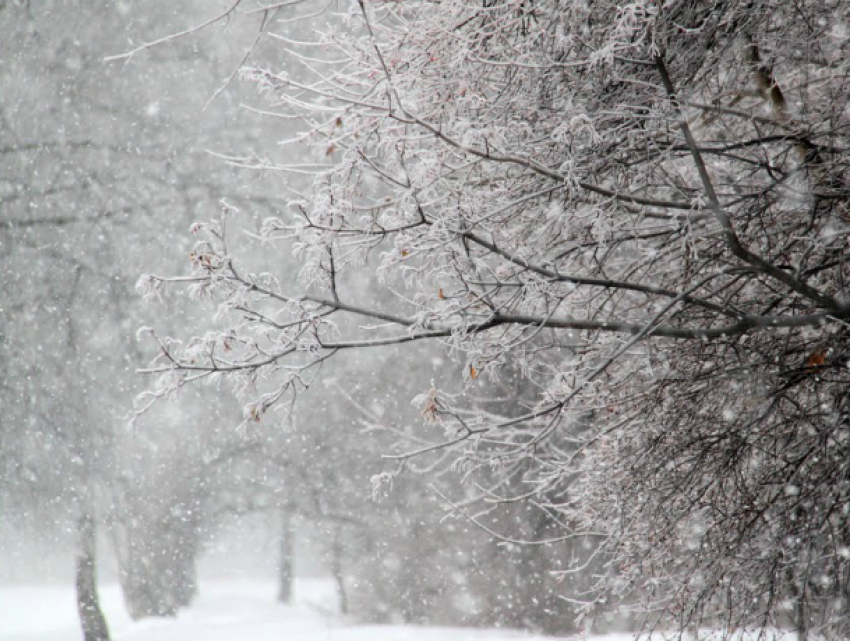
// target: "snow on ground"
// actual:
[[241, 610], [232, 610]]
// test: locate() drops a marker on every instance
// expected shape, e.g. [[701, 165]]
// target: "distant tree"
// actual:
[[92, 152], [644, 208], [166, 507]]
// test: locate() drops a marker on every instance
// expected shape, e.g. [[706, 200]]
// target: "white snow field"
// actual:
[[225, 610], [243, 610]]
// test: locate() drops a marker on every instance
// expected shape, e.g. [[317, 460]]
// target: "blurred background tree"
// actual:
[[99, 163]]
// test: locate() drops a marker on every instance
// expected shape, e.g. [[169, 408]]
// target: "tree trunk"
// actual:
[[336, 570], [287, 549], [92, 621], [801, 623]]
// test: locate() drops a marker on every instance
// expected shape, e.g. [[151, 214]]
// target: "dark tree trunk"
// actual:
[[336, 570], [287, 550], [92, 621], [800, 613]]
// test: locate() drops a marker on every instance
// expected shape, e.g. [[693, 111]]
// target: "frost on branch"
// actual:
[[622, 222], [148, 287]]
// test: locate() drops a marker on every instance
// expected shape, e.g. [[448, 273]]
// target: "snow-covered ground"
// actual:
[[243, 610], [231, 610]]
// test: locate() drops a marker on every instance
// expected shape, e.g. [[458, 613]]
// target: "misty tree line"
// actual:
[[89, 158], [601, 247]]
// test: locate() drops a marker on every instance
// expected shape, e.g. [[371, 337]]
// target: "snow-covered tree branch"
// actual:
[[642, 207]]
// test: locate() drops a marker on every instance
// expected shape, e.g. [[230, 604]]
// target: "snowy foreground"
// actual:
[[230, 610], [224, 611]]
